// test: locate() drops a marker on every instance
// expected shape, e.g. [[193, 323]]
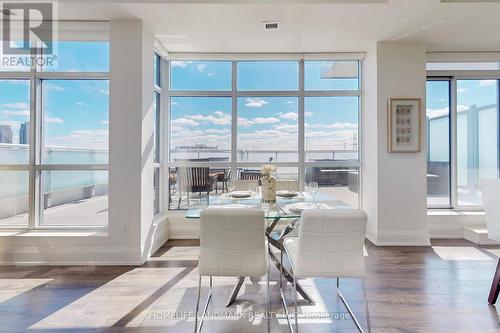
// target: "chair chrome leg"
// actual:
[[281, 270], [197, 328], [367, 311], [358, 325], [268, 293], [295, 303], [282, 295], [197, 306]]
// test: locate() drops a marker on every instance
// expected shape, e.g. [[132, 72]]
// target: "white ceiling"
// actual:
[[306, 26]]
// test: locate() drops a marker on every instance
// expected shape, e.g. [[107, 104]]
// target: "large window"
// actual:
[[54, 140], [477, 137], [157, 121], [438, 143], [463, 144], [227, 118]]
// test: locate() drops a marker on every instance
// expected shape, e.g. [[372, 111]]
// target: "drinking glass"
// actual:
[[313, 189], [231, 184], [253, 188]]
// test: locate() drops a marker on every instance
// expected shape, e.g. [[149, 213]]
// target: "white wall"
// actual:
[[369, 129], [131, 235], [394, 190]]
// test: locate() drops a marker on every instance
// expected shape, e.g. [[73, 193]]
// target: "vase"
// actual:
[[269, 189]]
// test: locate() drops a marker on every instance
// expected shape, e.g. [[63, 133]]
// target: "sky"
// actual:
[[76, 111], [263, 122], [469, 92]]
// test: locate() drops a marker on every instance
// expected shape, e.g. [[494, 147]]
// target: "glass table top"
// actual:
[[284, 208]]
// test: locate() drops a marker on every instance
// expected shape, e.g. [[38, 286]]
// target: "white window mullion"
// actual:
[[453, 143], [234, 118], [301, 120], [164, 134], [33, 153]]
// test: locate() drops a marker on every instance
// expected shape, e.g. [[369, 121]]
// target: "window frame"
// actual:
[[35, 165], [158, 159], [454, 77], [301, 94], [451, 152]]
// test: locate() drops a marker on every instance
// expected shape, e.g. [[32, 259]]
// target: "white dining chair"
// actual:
[[244, 184], [491, 202], [285, 184], [232, 243], [329, 245]]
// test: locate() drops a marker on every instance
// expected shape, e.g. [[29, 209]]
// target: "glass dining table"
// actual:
[[287, 209]]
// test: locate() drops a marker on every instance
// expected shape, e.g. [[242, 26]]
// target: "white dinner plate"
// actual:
[[240, 194], [230, 206], [287, 193], [299, 207]]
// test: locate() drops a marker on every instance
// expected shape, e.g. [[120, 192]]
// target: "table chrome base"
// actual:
[[277, 243]]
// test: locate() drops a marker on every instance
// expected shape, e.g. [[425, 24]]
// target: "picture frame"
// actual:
[[404, 123]]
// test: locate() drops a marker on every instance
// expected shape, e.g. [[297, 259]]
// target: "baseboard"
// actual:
[[400, 238], [98, 256], [478, 235], [182, 228]]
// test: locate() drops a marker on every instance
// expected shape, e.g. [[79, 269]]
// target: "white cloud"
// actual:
[[462, 90], [244, 122], [12, 123], [184, 122], [286, 128], [433, 113], [210, 137], [104, 91], [51, 86], [201, 67], [54, 120], [308, 113], [336, 126], [216, 118], [487, 83], [216, 131], [289, 116], [17, 113], [462, 108], [267, 139], [105, 122], [210, 73], [266, 120], [17, 106], [97, 138], [255, 102], [81, 104], [182, 64]]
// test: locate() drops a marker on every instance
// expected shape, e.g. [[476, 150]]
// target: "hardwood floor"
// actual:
[[443, 288]]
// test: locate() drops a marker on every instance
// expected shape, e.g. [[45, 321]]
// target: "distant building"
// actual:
[[5, 134], [24, 133], [198, 146]]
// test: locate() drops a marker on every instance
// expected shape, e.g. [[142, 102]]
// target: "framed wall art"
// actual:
[[404, 122]]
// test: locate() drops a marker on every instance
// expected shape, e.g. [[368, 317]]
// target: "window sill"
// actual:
[[54, 233], [454, 212]]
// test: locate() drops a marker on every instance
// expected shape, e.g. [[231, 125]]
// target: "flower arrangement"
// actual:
[[267, 170]]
